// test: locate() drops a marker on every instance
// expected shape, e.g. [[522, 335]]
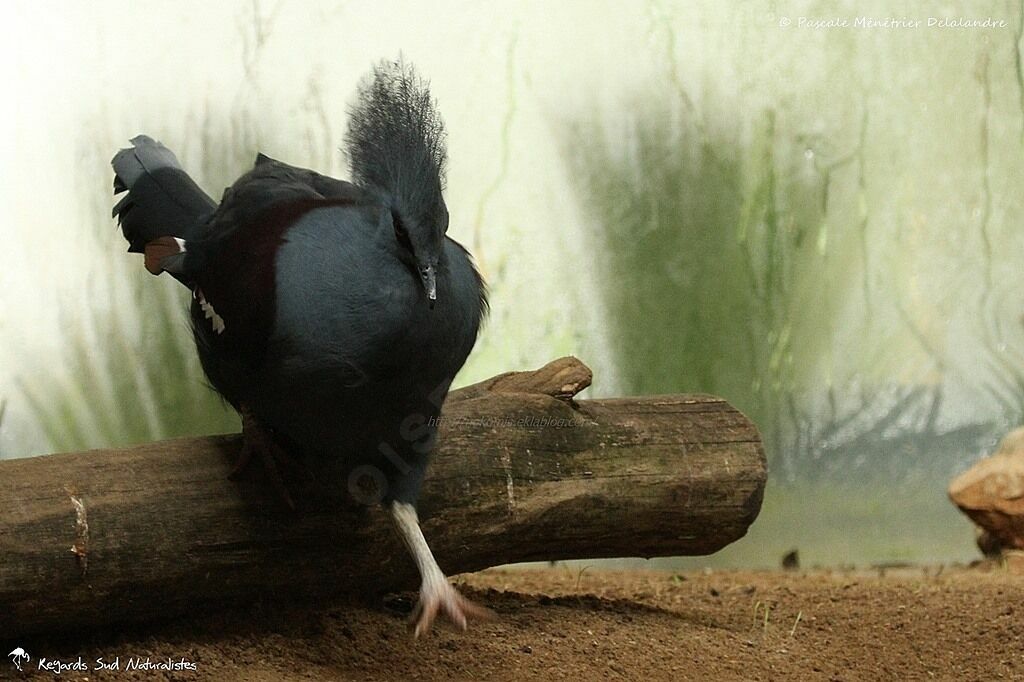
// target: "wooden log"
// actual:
[[126, 535]]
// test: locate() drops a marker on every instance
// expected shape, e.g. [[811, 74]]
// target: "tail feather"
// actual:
[[162, 200]]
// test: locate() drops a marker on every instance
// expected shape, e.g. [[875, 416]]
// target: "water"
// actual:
[[821, 225]]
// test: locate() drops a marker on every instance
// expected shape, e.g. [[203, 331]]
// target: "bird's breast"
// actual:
[[349, 309]]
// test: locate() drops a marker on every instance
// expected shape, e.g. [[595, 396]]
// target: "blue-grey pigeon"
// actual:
[[332, 315]]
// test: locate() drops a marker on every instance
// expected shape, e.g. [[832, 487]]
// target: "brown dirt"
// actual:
[[957, 624]]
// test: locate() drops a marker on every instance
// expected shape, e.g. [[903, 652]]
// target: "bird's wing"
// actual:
[[234, 260], [324, 185], [269, 186]]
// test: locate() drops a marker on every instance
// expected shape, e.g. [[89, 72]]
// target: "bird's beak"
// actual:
[[429, 277]]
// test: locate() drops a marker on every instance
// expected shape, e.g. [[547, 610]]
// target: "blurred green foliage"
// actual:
[[139, 380], [712, 281], [129, 371], [721, 273]]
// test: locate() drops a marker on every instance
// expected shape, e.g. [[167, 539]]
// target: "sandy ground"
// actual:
[[953, 624]]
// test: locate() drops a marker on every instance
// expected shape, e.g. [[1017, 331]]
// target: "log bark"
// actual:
[[125, 535]]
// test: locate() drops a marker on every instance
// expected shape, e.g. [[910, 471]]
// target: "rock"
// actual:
[[989, 545], [991, 493], [1013, 560]]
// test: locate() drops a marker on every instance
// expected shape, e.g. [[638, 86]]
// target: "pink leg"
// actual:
[[436, 593]]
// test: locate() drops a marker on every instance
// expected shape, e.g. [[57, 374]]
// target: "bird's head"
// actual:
[[396, 149], [421, 243]]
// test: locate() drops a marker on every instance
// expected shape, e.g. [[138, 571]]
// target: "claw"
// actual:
[[244, 458], [436, 593], [257, 440], [440, 597]]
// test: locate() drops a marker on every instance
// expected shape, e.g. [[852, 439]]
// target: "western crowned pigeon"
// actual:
[[332, 315]]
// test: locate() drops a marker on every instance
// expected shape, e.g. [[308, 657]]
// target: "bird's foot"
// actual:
[[438, 596], [257, 440]]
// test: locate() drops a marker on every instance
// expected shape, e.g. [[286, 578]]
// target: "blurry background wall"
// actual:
[[821, 224]]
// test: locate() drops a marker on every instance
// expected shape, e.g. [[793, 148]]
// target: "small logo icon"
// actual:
[[19, 656]]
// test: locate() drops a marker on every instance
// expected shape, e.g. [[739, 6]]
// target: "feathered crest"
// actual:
[[396, 140]]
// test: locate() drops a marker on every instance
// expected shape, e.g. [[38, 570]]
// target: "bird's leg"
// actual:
[[436, 593], [257, 440]]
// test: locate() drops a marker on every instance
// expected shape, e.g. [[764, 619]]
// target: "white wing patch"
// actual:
[[216, 320]]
